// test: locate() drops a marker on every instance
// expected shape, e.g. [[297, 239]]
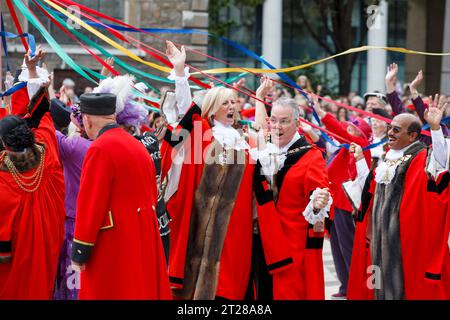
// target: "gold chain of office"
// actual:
[[20, 179]]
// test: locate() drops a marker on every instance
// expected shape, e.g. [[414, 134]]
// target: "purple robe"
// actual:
[[71, 153]]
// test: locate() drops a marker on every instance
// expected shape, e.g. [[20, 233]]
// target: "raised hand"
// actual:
[[415, 83], [240, 83], [31, 62], [433, 115], [176, 57], [316, 105], [307, 128], [9, 80], [110, 62], [391, 77], [266, 86]]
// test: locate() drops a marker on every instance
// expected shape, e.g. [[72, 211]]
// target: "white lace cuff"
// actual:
[[439, 161], [269, 163], [33, 85], [174, 77], [309, 214]]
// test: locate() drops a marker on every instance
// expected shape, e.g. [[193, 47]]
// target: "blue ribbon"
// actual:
[[443, 122], [8, 35], [5, 46], [13, 89]]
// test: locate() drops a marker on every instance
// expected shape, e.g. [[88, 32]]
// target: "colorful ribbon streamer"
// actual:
[[13, 89], [29, 36], [16, 23], [51, 41], [225, 70], [5, 46]]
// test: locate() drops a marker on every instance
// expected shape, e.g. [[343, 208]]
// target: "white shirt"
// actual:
[[184, 101], [272, 159], [182, 91], [439, 160], [386, 170], [378, 151], [33, 85], [229, 137]]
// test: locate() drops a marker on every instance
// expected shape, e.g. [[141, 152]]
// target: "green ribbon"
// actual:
[[51, 41], [83, 71]]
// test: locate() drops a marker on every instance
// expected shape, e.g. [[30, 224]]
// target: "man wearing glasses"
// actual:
[[291, 189]]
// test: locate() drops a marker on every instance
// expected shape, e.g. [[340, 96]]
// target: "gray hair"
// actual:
[[284, 102], [68, 83]]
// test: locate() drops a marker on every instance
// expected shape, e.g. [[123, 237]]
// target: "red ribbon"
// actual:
[[16, 23]]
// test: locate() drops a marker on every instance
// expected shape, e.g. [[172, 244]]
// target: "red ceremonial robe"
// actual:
[[235, 260], [420, 221], [342, 168], [357, 287], [296, 265], [116, 230], [32, 225], [438, 269]]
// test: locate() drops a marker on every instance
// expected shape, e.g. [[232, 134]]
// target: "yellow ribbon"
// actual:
[[350, 51], [229, 70], [106, 39]]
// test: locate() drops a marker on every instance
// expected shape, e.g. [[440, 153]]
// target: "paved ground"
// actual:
[[331, 280]]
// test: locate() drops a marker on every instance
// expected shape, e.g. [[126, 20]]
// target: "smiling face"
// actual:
[[398, 135], [379, 128], [283, 125], [226, 111]]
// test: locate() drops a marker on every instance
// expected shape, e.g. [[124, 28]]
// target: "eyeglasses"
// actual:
[[394, 129], [281, 122]]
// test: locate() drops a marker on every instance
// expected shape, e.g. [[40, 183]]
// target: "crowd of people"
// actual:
[[219, 195]]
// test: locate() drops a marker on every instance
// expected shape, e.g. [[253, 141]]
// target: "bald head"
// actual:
[[404, 130], [94, 123]]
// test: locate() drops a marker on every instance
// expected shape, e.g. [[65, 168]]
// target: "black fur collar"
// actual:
[[23, 161]]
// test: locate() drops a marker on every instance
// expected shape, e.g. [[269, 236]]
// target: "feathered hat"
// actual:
[[127, 110]]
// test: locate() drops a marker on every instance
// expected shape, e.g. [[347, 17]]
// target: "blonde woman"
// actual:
[[209, 195]]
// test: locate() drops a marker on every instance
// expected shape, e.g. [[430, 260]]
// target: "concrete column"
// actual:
[[377, 59], [445, 77], [272, 34]]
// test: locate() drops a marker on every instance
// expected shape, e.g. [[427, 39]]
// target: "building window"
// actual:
[[241, 24]]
